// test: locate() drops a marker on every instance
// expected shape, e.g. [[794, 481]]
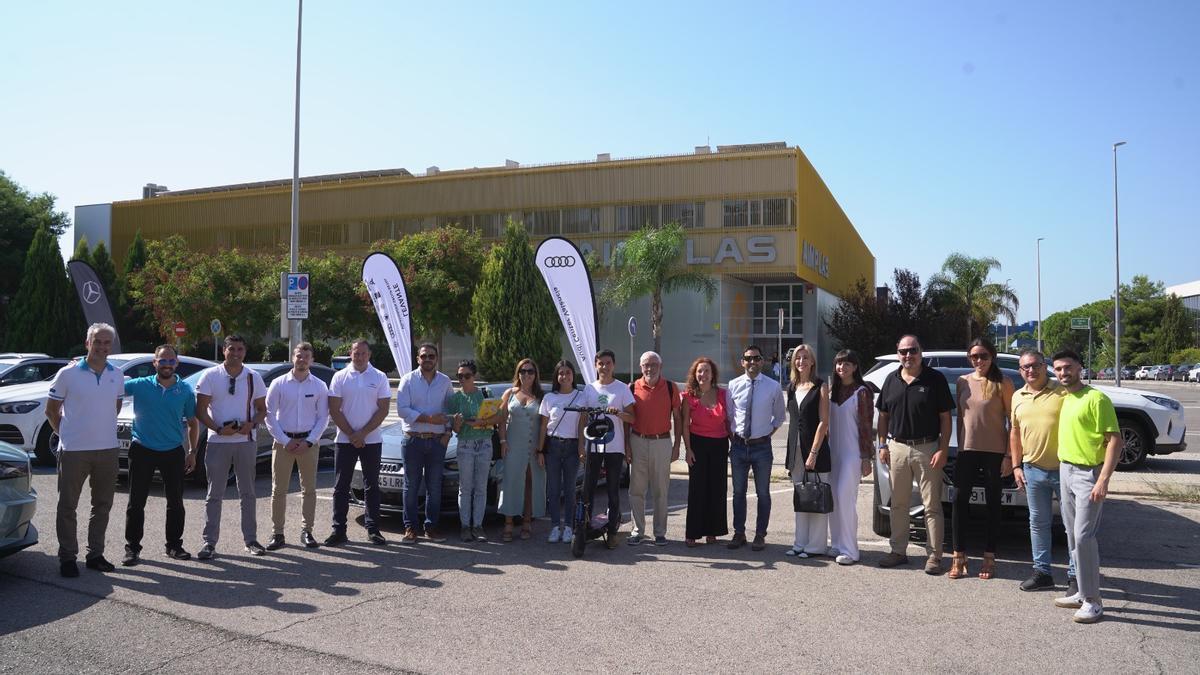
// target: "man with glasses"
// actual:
[[297, 414], [359, 397], [160, 401], [1089, 443], [755, 411], [651, 451], [421, 401], [231, 401], [914, 442], [1033, 447]]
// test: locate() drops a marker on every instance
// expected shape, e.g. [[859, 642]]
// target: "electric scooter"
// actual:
[[598, 433]]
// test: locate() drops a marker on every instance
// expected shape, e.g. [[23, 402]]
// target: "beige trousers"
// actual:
[[281, 479], [650, 471], [909, 462]]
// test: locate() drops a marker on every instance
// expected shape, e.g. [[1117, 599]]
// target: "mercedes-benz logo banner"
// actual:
[[93, 298], [385, 285], [570, 284]]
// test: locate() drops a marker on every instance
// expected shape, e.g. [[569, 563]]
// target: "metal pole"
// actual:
[[1006, 347], [1117, 294], [1039, 293], [294, 336], [1091, 364]]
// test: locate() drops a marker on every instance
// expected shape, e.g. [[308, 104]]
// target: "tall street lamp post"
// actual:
[[294, 336], [1039, 291], [1007, 324], [1117, 296]]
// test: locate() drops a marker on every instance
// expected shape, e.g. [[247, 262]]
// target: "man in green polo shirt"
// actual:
[[1089, 442]]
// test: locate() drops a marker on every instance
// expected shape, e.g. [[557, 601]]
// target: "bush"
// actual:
[[1189, 355], [279, 351], [275, 351]]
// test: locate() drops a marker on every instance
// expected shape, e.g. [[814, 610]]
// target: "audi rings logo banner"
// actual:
[[565, 274], [560, 261], [92, 297], [385, 285]]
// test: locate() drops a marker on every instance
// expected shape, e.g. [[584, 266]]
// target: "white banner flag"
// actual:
[[385, 285], [566, 275]]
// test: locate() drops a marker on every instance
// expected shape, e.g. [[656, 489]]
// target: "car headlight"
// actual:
[[1164, 401], [19, 407], [452, 465], [14, 469]]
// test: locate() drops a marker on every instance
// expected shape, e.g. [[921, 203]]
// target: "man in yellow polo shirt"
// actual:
[[1033, 445], [1089, 442]]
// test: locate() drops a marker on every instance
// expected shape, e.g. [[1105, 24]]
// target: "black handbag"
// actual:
[[814, 496]]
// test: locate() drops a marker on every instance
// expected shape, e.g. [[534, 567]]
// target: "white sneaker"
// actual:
[[567, 535], [1090, 612], [554, 537], [1069, 602], [844, 559]]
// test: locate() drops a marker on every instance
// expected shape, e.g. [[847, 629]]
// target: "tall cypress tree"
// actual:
[[513, 316], [133, 322], [82, 252], [45, 314]]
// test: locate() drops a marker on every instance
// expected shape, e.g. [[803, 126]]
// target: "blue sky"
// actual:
[[939, 127]]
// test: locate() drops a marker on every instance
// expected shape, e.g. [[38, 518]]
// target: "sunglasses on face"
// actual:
[[527, 371], [752, 359], [980, 357], [908, 351], [168, 362]]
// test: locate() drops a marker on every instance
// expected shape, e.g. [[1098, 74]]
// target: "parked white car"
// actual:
[[23, 407], [1142, 373], [1194, 374]]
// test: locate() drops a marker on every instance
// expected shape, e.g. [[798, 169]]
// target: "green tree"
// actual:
[[21, 214], [102, 262], [338, 303], [963, 283], [1174, 331], [45, 314], [82, 251], [861, 321], [135, 325], [512, 315], [1141, 313], [1057, 333], [651, 263], [441, 270]]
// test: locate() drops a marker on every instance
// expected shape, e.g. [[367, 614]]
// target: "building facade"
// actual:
[[758, 218]]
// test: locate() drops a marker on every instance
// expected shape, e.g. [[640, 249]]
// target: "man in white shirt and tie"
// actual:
[[297, 414], [755, 411]]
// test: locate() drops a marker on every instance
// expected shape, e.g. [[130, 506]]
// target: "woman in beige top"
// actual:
[[984, 400]]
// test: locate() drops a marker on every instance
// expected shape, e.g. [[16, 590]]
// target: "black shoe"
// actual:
[[131, 559], [306, 538], [68, 568], [333, 539], [1038, 581], [177, 553], [99, 564], [738, 541], [376, 538], [276, 542], [1072, 586], [255, 548]]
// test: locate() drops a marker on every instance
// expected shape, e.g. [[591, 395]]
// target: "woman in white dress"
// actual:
[[850, 414]]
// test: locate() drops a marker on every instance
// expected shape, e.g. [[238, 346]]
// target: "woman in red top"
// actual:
[[707, 443]]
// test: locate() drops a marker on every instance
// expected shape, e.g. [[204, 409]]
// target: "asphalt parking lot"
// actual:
[[528, 606]]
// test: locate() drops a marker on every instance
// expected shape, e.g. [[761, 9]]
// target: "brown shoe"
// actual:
[[893, 560], [613, 540], [410, 536], [933, 565], [760, 542], [738, 541], [433, 535]]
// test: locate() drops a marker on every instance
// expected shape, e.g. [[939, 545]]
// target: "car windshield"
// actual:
[[118, 363]]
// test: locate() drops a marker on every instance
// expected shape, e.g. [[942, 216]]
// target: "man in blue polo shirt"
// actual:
[[161, 403]]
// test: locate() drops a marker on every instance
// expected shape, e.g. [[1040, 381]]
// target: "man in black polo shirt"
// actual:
[[914, 442]]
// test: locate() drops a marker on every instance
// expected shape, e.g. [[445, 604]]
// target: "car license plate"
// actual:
[[978, 496], [391, 482], [124, 443]]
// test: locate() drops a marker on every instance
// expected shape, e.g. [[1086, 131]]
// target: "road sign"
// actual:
[[632, 327], [297, 295], [180, 329], [215, 326], [1081, 323]]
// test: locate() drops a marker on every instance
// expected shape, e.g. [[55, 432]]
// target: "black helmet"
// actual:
[[599, 430]]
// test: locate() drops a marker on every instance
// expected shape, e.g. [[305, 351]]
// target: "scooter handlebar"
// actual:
[[587, 410]]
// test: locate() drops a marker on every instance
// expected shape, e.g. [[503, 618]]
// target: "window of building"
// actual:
[[687, 214], [543, 223], [637, 217], [774, 212], [768, 300], [373, 232], [737, 212], [777, 212], [576, 221]]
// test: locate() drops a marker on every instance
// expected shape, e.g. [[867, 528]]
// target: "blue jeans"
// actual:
[[1041, 488], [562, 468], [741, 459], [474, 465], [424, 461]]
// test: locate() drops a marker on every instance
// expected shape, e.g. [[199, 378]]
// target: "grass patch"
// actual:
[[1189, 494]]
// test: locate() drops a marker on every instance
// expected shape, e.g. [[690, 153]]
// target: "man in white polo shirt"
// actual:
[[359, 397], [84, 401], [231, 401], [297, 414]]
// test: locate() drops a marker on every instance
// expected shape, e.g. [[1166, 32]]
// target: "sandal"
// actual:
[[506, 535], [691, 543], [710, 540], [526, 531], [958, 566], [989, 566]]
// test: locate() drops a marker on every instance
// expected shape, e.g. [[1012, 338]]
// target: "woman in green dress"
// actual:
[[523, 481]]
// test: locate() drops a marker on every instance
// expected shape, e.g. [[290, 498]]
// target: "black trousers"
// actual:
[[612, 463], [967, 467], [143, 462], [708, 513], [345, 455]]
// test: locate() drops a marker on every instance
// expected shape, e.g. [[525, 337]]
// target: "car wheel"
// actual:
[[1137, 445], [881, 523], [43, 448]]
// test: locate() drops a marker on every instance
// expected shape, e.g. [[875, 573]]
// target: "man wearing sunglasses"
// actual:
[[160, 401], [421, 402], [914, 442], [756, 411], [231, 401]]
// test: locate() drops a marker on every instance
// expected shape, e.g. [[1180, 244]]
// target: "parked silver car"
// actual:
[[18, 501]]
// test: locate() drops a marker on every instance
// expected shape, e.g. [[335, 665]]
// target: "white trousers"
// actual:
[[843, 522], [812, 529]]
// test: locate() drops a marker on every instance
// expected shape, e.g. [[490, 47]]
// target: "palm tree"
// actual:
[[649, 263], [963, 282]]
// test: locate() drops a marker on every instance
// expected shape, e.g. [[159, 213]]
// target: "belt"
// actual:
[[652, 437], [915, 441], [561, 438], [296, 435], [744, 441], [422, 435]]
